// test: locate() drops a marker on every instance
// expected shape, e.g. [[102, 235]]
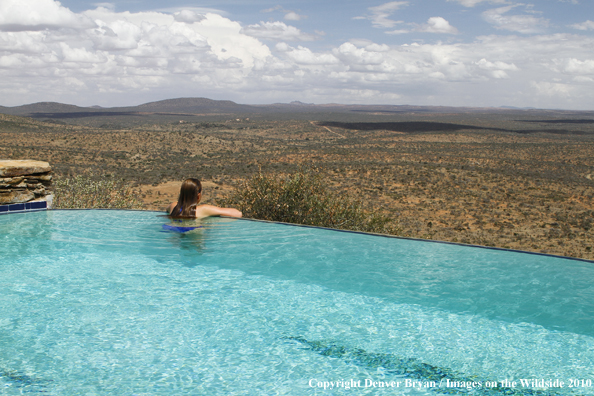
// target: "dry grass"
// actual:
[[89, 192]]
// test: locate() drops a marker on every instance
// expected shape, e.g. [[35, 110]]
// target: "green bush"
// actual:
[[302, 198], [87, 192]]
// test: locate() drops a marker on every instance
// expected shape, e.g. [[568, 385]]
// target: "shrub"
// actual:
[[302, 198], [87, 192]]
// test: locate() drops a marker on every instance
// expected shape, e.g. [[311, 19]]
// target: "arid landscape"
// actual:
[[520, 179]]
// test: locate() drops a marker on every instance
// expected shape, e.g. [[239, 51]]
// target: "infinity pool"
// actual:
[[98, 302]]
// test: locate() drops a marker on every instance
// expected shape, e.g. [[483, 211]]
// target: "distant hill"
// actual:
[[191, 106], [181, 105], [43, 107], [186, 108], [209, 106]]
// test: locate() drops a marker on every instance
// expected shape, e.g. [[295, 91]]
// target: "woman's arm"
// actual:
[[209, 210]]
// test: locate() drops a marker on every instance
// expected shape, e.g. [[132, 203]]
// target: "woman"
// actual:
[[187, 204]]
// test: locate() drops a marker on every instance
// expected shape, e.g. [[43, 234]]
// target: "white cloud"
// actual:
[[226, 40], [272, 9], [377, 47], [380, 18], [186, 9], [305, 56], [516, 23], [122, 51], [499, 74], [574, 66], [497, 65], [23, 42], [437, 25], [35, 15], [289, 15], [497, 69], [588, 25], [472, 3], [188, 16], [293, 16], [205, 54], [109, 6], [398, 31], [276, 31], [117, 35], [380, 14], [352, 55], [552, 89]]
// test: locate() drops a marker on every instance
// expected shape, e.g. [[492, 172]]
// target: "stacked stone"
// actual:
[[24, 180]]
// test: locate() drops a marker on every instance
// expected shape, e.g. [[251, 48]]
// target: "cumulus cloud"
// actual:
[[293, 16], [352, 55], [380, 15], [188, 16], [433, 25], [588, 25], [35, 15], [399, 31], [276, 31], [472, 3], [122, 51], [575, 66], [515, 65], [289, 15], [272, 9], [380, 18], [524, 23], [437, 25], [197, 53], [498, 65], [498, 69], [109, 6], [305, 56]]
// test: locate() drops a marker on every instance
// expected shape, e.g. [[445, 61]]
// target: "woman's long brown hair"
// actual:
[[188, 199]]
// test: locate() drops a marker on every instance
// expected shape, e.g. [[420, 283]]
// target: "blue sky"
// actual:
[[481, 53]]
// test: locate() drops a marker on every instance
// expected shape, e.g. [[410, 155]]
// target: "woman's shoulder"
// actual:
[[169, 209]]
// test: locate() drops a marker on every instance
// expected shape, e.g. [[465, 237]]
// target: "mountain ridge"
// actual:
[[205, 106]]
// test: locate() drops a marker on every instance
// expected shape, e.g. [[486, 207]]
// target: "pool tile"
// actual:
[[39, 205], [23, 207], [15, 207]]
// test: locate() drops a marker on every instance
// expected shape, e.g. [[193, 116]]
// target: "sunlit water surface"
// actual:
[[108, 302]]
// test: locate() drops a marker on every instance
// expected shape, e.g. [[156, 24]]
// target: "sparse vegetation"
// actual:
[[88, 192], [302, 198]]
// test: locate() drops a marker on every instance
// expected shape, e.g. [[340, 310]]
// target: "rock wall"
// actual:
[[24, 180]]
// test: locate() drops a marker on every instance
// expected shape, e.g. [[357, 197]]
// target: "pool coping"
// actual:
[[339, 230]]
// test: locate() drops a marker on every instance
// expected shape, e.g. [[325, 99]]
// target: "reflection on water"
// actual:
[[192, 234]]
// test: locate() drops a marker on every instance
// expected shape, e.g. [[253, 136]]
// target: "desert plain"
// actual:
[[510, 178]]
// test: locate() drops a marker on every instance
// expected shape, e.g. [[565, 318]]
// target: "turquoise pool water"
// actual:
[[107, 303]]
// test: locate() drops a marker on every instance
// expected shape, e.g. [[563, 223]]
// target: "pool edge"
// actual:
[[422, 240]]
